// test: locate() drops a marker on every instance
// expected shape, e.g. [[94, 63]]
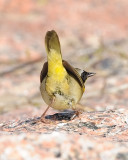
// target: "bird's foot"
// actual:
[[48, 121], [76, 114]]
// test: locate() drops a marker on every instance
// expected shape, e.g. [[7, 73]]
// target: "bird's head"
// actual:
[[85, 75]]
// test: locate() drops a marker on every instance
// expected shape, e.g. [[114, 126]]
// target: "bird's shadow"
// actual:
[[61, 116]]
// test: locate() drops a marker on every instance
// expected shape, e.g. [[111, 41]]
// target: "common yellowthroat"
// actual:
[[61, 85]]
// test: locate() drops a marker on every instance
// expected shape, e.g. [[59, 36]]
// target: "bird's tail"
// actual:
[[52, 43], [55, 66]]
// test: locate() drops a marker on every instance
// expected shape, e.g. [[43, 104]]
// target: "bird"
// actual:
[[61, 85]]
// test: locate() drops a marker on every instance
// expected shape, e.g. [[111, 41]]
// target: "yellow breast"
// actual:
[[57, 75]]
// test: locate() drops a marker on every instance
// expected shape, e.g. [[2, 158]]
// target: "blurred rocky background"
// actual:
[[93, 36]]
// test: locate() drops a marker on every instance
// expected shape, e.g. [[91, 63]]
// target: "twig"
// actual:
[[12, 69]]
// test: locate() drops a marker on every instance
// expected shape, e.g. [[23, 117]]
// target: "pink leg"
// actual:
[[42, 118]]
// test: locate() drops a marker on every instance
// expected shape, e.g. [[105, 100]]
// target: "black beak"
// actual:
[[90, 74]]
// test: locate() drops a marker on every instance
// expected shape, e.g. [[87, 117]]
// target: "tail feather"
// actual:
[[52, 42]]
